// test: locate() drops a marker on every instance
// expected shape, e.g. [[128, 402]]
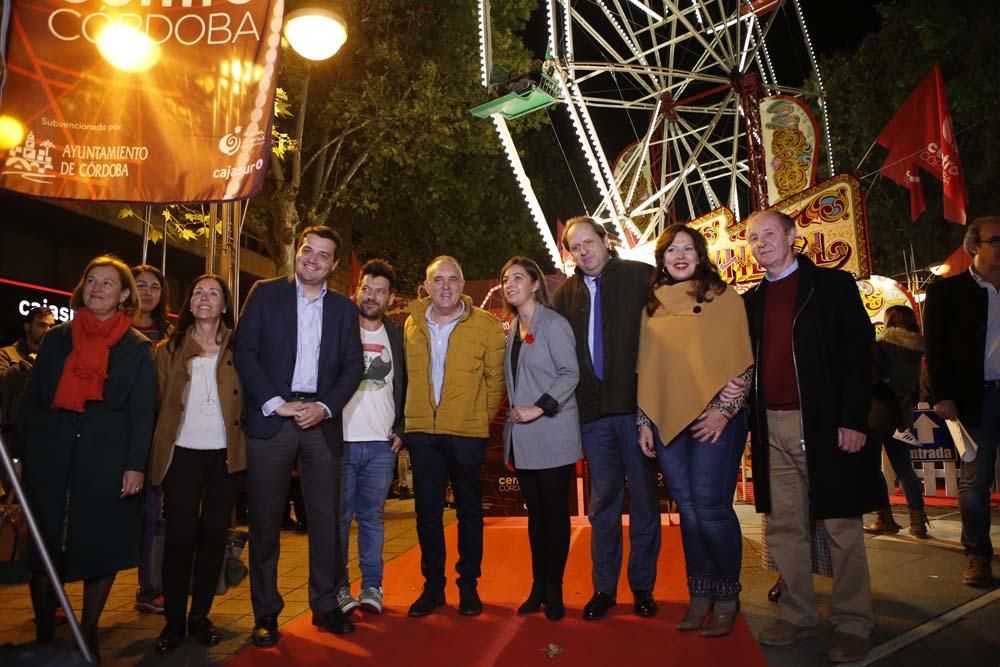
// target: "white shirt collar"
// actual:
[[784, 274]]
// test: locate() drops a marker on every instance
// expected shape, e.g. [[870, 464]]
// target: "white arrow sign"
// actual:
[[924, 426]]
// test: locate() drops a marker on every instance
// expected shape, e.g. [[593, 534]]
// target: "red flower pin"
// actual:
[[529, 339]]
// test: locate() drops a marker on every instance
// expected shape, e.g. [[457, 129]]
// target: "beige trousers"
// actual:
[[788, 539]]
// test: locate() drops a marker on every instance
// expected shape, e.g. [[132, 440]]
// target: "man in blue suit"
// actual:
[[298, 352]]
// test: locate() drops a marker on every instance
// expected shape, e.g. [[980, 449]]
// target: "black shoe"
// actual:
[[554, 608], [405, 493], [598, 607], [534, 602], [265, 631], [334, 621], [643, 604], [287, 523], [428, 601], [204, 631], [301, 527], [469, 603], [170, 638]]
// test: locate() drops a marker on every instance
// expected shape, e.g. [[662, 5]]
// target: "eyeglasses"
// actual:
[[993, 241], [148, 287]]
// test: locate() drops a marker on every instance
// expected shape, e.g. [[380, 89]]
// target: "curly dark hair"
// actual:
[[706, 279]]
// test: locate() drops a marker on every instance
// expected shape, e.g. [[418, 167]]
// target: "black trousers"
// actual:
[[269, 473], [546, 492], [436, 460], [198, 499]]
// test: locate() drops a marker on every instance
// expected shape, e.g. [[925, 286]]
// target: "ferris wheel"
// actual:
[[664, 97]]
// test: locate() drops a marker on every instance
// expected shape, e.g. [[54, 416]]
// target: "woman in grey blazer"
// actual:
[[542, 433]]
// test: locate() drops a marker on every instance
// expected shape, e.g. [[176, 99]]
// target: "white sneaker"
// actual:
[[906, 436], [371, 600], [346, 601]]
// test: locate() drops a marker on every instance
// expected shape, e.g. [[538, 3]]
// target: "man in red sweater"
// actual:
[[810, 398]]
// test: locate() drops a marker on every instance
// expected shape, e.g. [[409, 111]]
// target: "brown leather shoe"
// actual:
[[783, 633], [845, 647], [722, 620], [978, 572], [884, 524], [919, 523], [695, 616]]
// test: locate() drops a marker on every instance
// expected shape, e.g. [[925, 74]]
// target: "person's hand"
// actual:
[[289, 409], [525, 415], [646, 443], [709, 426], [132, 481], [849, 440], [309, 414], [395, 442], [733, 390], [946, 409]]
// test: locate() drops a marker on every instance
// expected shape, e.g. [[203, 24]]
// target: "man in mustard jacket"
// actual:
[[454, 357]]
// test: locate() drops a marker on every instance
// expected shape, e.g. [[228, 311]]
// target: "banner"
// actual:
[[791, 148], [832, 231], [155, 101], [919, 137]]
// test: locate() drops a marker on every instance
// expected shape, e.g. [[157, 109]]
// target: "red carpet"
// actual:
[[500, 638]]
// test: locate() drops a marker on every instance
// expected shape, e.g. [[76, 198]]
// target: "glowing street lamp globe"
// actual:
[[127, 48], [315, 34]]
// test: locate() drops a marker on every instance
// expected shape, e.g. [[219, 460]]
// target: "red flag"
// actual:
[[918, 137]]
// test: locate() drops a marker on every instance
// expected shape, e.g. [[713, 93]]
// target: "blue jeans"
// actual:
[[437, 460], [366, 473], [701, 479], [899, 457], [977, 477], [611, 446]]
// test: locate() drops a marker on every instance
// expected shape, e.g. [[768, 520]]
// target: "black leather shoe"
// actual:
[[334, 621], [265, 631], [469, 603], [170, 638], [427, 602], [534, 602], [598, 607], [554, 608], [204, 631], [643, 604]]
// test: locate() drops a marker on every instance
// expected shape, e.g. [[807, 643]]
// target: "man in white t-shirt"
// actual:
[[373, 420]]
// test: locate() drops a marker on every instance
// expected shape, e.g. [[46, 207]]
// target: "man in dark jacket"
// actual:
[[603, 302], [373, 426], [962, 326], [810, 398]]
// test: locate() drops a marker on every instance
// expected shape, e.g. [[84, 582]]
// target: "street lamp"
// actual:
[[315, 34]]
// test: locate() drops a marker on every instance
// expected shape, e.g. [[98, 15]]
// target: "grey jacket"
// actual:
[[547, 375]]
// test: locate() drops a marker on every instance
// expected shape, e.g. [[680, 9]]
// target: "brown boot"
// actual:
[[884, 524], [978, 572], [919, 523]]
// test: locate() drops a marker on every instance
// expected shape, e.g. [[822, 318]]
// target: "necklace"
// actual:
[[209, 406]]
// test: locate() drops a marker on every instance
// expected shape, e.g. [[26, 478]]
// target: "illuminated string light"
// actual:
[[484, 42], [819, 80], [526, 190], [653, 15]]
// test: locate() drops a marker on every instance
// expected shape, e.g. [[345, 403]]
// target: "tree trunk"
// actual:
[[286, 227]]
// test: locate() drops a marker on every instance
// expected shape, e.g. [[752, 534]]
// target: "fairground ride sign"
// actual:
[[831, 224]]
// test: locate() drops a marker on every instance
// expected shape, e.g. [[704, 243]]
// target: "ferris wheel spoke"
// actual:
[[611, 50], [672, 6], [643, 153]]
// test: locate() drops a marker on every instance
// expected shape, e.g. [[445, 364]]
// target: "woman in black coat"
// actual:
[[87, 420]]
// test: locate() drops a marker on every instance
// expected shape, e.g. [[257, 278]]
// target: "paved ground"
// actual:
[[926, 617]]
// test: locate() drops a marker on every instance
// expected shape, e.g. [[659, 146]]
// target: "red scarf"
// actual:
[[86, 367]]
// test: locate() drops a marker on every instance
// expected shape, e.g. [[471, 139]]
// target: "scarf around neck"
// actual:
[[86, 367], [688, 351]]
